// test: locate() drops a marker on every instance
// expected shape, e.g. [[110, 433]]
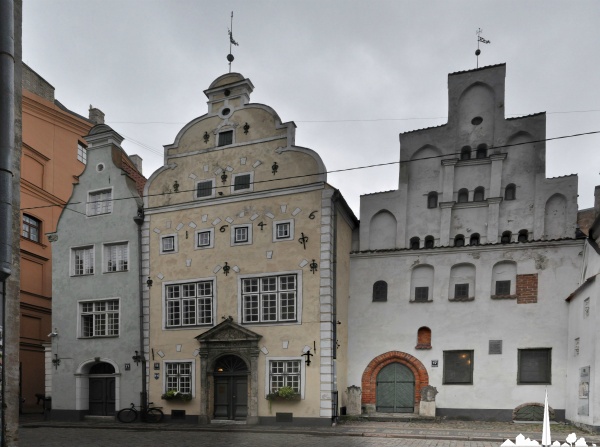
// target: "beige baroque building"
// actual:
[[247, 256]]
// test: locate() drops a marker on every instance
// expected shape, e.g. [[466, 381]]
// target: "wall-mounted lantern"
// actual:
[[137, 358], [149, 282]]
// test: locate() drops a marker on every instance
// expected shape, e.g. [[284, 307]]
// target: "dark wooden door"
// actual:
[[102, 396], [395, 389], [231, 397]]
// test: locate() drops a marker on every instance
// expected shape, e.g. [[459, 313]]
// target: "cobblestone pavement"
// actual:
[[90, 437]]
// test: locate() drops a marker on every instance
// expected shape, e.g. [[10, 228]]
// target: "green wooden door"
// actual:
[[395, 389]]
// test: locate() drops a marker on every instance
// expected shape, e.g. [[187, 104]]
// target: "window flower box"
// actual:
[[176, 395]]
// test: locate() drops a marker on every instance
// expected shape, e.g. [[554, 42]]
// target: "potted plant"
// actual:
[[176, 395]]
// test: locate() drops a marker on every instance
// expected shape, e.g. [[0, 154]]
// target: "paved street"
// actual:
[[89, 437]]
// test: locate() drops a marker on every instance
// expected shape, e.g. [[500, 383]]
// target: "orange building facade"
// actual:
[[54, 154]]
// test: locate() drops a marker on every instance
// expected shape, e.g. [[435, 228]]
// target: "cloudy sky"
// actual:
[[351, 74]]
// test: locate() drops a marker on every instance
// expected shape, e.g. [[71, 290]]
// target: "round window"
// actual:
[[226, 111], [100, 167], [477, 121]]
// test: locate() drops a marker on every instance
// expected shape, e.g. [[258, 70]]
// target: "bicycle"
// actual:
[[152, 414]]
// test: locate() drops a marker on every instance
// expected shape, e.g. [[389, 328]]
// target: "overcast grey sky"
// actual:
[[352, 75]]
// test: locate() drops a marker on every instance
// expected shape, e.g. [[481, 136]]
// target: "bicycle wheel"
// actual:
[[127, 415], [154, 415]]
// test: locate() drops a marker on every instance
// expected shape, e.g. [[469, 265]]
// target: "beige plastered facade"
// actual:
[[287, 185]]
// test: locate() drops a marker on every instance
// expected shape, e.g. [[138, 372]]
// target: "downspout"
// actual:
[[139, 220], [334, 199], [7, 142]]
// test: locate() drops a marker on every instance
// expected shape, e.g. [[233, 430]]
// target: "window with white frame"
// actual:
[[99, 318], [82, 261], [205, 238], [241, 234], [99, 202], [242, 182], [81, 152], [116, 257], [283, 230], [205, 189], [168, 244], [270, 299], [285, 373], [178, 377], [189, 304]]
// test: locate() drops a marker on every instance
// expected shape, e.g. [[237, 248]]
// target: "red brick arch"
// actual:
[[369, 377]]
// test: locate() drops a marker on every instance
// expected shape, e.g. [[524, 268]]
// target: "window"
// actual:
[[465, 153], [242, 182], [423, 338], [461, 290], [421, 294], [31, 228], [463, 195], [99, 202], [479, 194], [241, 234], [495, 347], [474, 239], [269, 299], [523, 236], [189, 304], [482, 151], [82, 261], [99, 318], [415, 243], [503, 288], [283, 230], [205, 238], [81, 153], [168, 244], [205, 189], [178, 377], [116, 257], [510, 192], [534, 366], [380, 291], [225, 138], [458, 368], [429, 242], [432, 200], [284, 373], [505, 239], [459, 240]]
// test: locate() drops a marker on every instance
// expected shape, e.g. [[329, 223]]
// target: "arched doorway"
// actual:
[[395, 389], [231, 388], [102, 389]]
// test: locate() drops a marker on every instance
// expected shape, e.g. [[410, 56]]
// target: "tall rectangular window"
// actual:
[[179, 377], [99, 202], [269, 299], [535, 366], [458, 368], [100, 318], [189, 304], [284, 373], [116, 257], [82, 261], [81, 153], [31, 228]]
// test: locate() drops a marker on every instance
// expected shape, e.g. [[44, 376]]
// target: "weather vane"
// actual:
[[479, 39], [231, 42]]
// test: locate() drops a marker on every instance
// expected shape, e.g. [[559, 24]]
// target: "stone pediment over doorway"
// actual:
[[228, 331]]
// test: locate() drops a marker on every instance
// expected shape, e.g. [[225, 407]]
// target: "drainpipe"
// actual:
[[139, 220], [7, 141], [334, 200]]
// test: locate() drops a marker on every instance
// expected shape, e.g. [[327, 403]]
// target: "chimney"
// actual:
[[96, 115], [596, 201], [137, 161]]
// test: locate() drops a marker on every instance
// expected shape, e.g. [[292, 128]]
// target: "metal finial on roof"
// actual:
[[230, 57], [479, 39]]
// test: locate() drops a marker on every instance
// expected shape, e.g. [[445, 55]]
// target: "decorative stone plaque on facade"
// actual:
[[353, 407], [427, 405]]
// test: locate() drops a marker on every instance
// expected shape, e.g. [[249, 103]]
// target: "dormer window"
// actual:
[[225, 138]]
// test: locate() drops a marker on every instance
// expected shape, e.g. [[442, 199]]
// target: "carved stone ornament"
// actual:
[[428, 393], [52, 237]]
